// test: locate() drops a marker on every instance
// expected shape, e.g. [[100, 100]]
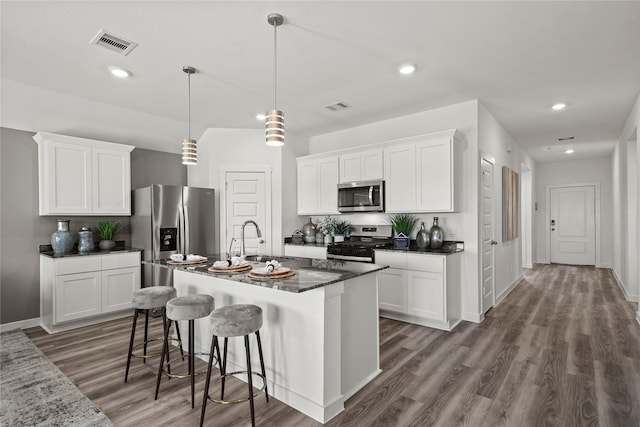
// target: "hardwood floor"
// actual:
[[563, 349]]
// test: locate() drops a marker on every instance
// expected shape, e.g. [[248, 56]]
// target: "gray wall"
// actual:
[[22, 229]]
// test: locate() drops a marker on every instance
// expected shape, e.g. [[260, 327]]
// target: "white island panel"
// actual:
[[320, 346]]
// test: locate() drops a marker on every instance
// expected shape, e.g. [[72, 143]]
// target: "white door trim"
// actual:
[[223, 197], [489, 159], [547, 189]]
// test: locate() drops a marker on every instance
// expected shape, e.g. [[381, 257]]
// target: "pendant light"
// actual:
[[189, 146], [274, 122]]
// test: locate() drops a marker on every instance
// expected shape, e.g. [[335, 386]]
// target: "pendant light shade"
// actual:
[[189, 146], [274, 122]]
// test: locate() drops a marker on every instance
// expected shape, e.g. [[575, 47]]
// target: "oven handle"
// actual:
[[350, 258]]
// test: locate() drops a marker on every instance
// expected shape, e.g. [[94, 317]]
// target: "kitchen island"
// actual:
[[320, 327]]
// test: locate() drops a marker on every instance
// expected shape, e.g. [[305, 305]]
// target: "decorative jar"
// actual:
[[423, 239], [85, 240], [62, 239]]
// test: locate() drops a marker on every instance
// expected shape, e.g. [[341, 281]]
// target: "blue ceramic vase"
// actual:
[[62, 239]]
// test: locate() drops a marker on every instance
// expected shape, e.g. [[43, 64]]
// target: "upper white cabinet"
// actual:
[[420, 173], [361, 166], [317, 186], [80, 176]]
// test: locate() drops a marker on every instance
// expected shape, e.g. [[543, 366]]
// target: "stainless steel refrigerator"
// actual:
[[170, 220]]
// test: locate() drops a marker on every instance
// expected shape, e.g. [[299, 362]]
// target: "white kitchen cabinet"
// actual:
[[82, 290], [306, 251], [361, 166], [317, 185], [421, 173], [400, 178], [420, 288], [80, 176]]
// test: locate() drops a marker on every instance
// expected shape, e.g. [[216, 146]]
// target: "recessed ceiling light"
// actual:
[[569, 151], [261, 116], [119, 72], [559, 106], [407, 69]]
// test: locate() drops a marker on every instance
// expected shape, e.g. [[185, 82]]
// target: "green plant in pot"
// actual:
[[106, 230], [402, 225], [340, 229]]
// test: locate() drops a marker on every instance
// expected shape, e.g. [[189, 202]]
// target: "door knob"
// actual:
[[493, 242], [261, 241]]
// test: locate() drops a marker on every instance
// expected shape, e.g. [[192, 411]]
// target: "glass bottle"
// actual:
[[423, 239], [85, 240], [437, 235]]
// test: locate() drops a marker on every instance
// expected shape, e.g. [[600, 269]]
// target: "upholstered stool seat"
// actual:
[[189, 308], [234, 321], [143, 300]]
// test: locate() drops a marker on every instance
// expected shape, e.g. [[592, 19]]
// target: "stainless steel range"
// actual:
[[364, 240]]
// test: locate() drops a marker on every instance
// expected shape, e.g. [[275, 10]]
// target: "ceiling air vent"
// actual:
[[338, 106], [113, 42]]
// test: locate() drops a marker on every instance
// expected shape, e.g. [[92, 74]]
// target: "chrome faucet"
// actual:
[[242, 248]]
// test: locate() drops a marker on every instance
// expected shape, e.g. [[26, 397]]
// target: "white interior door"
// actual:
[[245, 199], [488, 242], [572, 225]]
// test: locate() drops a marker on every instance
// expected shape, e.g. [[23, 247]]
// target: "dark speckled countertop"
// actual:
[[310, 273], [448, 248], [46, 250]]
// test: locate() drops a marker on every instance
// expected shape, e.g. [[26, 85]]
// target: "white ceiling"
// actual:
[[517, 58]]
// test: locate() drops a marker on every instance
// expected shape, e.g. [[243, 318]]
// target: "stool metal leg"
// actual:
[[214, 346], [223, 370], [264, 374], [165, 348], [179, 339], [133, 335], [192, 366], [146, 334], [250, 381]]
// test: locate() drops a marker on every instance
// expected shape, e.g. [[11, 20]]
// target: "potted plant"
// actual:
[[402, 225], [327, 227], [106, 230], [340, 229]]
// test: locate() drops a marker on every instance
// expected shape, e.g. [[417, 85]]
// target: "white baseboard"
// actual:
[[472, 317], [627, 296], [21, 324], [527, 265], [507, 291]]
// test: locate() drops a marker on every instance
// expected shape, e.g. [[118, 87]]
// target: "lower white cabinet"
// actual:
[[77, 291], [306, 251], [420, 288]]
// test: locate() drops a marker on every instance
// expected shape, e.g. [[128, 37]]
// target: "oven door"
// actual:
[[365, 196]]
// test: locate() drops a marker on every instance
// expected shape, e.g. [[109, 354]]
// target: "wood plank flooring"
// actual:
[[563, 349]]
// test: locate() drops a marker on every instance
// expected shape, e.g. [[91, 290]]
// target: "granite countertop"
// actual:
[[46, 250], [448, 248], [310, 273], [288, 241]]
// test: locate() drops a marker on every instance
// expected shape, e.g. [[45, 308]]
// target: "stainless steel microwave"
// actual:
[[362, 196]]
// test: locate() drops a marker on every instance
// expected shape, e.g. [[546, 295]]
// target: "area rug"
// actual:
[[34, 392]]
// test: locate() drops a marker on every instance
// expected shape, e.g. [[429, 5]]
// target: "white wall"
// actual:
[[496, 142], [246, 148], [583, 171], [464, 224]]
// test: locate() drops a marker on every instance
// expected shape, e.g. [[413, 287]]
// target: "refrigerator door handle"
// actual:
[[181, 236], [185, 225]]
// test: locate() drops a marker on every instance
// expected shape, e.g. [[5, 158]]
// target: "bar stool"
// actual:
[[235, 321], [188, 307], [143, 300]]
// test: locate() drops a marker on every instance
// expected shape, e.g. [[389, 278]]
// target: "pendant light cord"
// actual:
[[275, 62], [189, 101]]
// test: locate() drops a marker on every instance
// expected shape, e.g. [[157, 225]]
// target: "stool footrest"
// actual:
[[183, 376], [233, 402]]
